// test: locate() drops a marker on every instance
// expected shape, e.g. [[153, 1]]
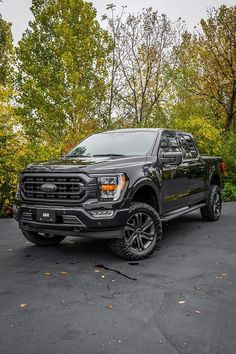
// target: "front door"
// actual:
[[196, 168], [175, 183]]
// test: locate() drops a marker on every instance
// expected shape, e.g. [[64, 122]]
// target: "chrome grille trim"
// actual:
[[71, 187]]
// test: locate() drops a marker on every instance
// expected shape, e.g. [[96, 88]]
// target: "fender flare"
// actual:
[[144, 182], [214, 173]]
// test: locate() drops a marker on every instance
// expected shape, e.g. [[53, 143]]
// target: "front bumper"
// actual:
[[72, 222]]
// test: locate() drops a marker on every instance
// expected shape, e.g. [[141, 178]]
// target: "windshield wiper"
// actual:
[[110, 155], [78, 155]]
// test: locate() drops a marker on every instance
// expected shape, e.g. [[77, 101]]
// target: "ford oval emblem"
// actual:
[[48, 188]]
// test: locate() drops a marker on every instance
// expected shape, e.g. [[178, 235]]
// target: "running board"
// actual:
[[180, 212]]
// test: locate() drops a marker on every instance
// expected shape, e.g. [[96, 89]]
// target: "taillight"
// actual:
[[223, 169]]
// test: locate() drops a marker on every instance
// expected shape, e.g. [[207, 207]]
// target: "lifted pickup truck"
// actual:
[[119, 185]]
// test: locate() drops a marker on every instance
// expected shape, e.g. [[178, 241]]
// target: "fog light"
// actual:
[[102, 213]]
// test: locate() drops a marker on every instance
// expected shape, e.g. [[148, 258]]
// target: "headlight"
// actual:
[[111, 186]]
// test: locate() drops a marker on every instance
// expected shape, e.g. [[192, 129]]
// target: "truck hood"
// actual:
[[88, 164]]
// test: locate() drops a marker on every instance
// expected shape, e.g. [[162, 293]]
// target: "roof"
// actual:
[[131, 130], [154, 130]]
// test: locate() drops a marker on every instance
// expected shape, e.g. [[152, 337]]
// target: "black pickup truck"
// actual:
[[119, 185]]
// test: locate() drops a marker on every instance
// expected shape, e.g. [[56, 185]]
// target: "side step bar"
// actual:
[[175, 214]]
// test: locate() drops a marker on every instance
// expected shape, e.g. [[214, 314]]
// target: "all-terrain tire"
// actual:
[[212, 210], [120, 246], [41, 239]]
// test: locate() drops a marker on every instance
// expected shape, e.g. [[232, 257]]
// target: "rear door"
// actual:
[[196, 168], [175, 183]]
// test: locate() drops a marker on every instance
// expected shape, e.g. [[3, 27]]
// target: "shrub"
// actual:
[[229, 193]]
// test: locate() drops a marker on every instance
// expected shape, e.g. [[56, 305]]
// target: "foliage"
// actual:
[[207, 65], [6, 148], [229, 151], [6, 52], [8, 143], [142, 64], [229, 193], [61, 69]]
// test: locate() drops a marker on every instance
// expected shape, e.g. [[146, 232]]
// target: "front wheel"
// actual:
[[42, 239], [212, 210], [143, 232]]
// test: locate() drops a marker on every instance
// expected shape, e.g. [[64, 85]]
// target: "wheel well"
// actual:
[[146, 194], [215, 180]]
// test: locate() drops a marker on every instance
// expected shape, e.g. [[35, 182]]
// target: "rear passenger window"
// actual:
[[188, 147], [169, 143]]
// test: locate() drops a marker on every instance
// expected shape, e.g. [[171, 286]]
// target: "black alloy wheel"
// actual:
[[142, 233], [212, 210]]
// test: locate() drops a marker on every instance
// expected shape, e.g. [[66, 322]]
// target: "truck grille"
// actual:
[[69, 188]]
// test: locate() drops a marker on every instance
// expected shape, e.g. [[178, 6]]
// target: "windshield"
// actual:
[[115, 144]]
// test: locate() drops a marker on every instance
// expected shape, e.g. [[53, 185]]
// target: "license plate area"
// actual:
[[46, 216]]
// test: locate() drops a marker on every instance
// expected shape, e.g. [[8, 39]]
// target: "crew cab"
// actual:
[[121, 186]]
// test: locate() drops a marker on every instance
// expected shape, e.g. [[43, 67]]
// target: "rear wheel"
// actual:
[[142, 233], [42, 239], [212, 210]]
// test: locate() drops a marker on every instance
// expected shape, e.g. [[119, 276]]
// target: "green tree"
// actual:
[[142, 64], [207, 65], [6, 52], [7, 148], [61, 69]]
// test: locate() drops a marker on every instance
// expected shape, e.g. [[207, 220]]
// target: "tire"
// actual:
[[142, 233], [212, 210], [42, 240]]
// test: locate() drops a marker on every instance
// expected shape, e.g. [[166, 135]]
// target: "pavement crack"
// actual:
[[114, 270]]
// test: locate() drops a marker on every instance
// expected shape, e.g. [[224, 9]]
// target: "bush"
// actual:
[[229, 155], [23, 154], [229, 193]]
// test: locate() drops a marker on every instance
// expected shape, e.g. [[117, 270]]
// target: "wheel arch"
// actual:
[[147, 192], [215, 179]]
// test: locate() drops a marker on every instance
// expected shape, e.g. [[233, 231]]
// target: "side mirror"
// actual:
[[171, 158]]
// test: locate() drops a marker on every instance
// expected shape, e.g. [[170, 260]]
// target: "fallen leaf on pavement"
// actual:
[[64, 273], [109, 306], [23, 305]]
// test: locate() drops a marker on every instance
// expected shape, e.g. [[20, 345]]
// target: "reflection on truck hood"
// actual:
[[88, 164]]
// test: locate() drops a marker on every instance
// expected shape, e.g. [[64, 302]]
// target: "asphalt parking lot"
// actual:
[[80, 298]]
